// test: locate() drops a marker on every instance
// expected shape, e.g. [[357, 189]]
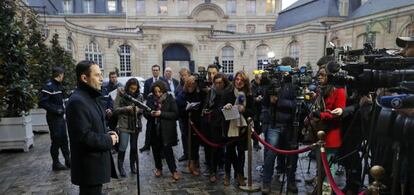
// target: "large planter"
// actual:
[[39, 122], [16, 133]]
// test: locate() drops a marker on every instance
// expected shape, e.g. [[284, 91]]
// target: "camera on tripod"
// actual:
[[201, 77]]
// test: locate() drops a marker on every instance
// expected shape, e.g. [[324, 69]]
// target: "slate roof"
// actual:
[[376, 6], [306, 10]]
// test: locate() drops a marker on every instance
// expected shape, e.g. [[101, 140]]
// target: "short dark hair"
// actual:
[[160, 84], [56, 71], [156, 65], [112, 73], [83, 67], [288, 61], [324, 60], [213, 66], [223, 77]]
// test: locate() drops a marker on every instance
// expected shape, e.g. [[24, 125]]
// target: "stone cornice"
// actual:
[[95, 32]]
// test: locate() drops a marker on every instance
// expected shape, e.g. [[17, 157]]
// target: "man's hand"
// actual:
[[273, 99], [337, 111], [156, 113], [241, 108], [108, 112], [366, 99], [259, 98], [114, 136], [227, 106]]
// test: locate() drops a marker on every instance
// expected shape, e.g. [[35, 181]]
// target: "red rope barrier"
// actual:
[[334, 187], [280, 151], [208, 142], [361, 193]]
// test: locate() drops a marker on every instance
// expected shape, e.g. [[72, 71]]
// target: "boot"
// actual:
[[240, 179], [133, 160], [57, 166], [121, 156], [144, 148], [194, 168], [67, 160], [226, 179]]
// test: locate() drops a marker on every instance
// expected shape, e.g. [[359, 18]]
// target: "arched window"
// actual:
[[261, 54], [294, 50], [409, 30], [92, 52], [125, 60], [70, 47], [227, 59]]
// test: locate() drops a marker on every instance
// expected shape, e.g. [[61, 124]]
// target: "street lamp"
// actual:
[[271, 55]]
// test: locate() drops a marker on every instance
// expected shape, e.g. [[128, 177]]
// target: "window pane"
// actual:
[[67, 6], [88, 6], [162, 7], [261, 55], [111, 5], [183, 7], [251, 7], [231, 27], [270, 7], [227, 59], [140, 7], [125, 60], [294, 50], [231, 7]]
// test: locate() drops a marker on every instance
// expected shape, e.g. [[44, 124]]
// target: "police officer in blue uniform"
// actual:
[[51, 99]]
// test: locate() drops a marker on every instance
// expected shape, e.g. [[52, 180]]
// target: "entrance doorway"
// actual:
[[176, 56]]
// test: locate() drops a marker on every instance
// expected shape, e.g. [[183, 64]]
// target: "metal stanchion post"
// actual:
[[137, 160], [377, 172], [250, 187], [189, 142], [321, 143]]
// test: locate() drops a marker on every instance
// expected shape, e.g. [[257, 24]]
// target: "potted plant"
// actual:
[[39, 70], [15, 88]]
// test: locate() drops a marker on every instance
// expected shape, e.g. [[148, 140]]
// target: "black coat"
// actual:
[[89, 142], [167, 120]]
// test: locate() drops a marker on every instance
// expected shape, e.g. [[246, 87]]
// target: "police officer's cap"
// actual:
[[403, 41]]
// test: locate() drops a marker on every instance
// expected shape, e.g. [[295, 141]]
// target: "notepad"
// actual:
[[230, 114]]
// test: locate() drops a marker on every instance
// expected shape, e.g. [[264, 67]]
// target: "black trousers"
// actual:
[[159, 148], [235, 155], [90, 190], [58, 136]]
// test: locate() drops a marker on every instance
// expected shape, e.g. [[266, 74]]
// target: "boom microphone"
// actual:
[[136, 102]]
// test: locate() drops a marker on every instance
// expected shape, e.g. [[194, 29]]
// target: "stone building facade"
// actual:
[[132, 35]]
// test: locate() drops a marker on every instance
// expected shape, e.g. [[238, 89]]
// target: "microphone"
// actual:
[[397, 101], [136, 102]]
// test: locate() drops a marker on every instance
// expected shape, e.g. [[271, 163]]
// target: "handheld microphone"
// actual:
[[136, 102], [397, 101]]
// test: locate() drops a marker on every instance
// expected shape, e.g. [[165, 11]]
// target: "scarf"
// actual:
[[236, 124]]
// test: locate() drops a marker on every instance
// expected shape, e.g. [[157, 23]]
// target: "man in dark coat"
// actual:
[[90, 140], [51, 99]]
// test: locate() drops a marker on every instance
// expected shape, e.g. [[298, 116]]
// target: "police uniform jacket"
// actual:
[[90, 144], [51, 98]]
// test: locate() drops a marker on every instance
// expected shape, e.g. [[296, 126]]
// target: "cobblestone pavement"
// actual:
[[31, 173]]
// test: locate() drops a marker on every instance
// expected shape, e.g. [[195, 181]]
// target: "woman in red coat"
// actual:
[[329, 99]]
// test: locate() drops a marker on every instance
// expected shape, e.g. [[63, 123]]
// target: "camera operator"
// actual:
[[277, 115], [258, 94]]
